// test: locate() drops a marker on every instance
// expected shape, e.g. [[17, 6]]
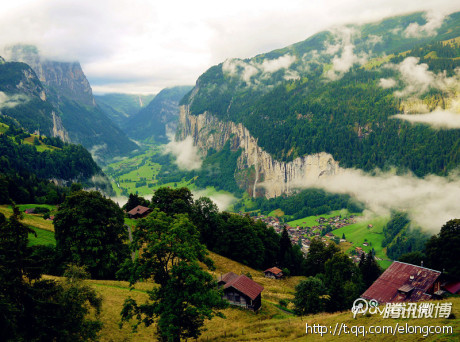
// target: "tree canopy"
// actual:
[[90, 232], [169, 252], [33, 309], [442, 249]]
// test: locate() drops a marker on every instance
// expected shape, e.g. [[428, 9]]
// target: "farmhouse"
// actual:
[[403, 282], [274, 273], [139, 212], [241, 291]]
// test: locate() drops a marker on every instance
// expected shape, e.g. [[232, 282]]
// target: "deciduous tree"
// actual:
[[90, 232], [169, 253]]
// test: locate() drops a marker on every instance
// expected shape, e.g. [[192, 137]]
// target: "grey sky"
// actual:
[[143, 46]]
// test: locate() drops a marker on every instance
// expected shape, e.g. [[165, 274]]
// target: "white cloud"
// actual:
[[434, 21], [386, 83], [247, 70], [144, 46], [343, 63], [372, 39], [430, 201], [10, 101], [418, 79], [187, 155], [222, 200], [273, 65], [437, 119]]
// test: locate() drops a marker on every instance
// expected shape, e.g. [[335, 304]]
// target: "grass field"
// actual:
[[310, 221], [41, 147], [129, 171], [358, 232], [44, 237], [269, 324], [30, 220]]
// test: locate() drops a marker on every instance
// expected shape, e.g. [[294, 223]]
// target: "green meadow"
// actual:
[[42, 237], [311, 221], [361, 232]]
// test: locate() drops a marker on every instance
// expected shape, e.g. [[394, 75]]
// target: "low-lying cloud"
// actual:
[[418, 79], [386, 83], [434, 21], [223, 201], [441, 119], [187, 155], [342, 63], [10, 101], [430, 201], [247, 70]]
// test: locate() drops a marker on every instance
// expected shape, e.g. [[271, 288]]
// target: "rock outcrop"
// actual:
[[272, 178], [58, 129], [67, 77]]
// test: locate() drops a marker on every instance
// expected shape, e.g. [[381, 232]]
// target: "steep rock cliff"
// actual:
[[66, 79], [272, 178], [77, 117]]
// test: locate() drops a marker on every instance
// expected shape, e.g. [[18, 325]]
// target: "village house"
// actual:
[[403, 282], [241, 291], [274, 273], [139, 212]]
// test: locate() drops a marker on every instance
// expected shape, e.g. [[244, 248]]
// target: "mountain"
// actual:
[[69, 92], [159, 118], [348, 96], [120, 107]]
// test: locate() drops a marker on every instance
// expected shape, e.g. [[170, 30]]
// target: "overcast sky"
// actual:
[[143, 46]]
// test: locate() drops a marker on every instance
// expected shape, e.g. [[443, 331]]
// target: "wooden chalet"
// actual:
[[403, 282], [274, 273], [139, 212], [242, 291]]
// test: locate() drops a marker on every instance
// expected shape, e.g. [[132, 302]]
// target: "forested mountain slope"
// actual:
[[120, 107], [339, 91], [159, 117], [69, 92]]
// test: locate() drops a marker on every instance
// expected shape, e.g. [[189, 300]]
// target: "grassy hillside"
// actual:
[[269, 324], [31, 220], [370, 231], [44, 229]]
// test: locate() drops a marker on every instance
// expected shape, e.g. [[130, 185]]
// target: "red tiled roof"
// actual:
[[227, 277], [139, 210], [399, 279], [246, 286], [453, 287], [274, 270]]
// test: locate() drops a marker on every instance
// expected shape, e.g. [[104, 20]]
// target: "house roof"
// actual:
[[274, 270], [246, 286], [402, 282], [227, 277], [139, 210], [453, 287]]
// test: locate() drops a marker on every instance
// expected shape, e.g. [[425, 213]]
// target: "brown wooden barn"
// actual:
[[139, 212], [403, 282], [274, 273], [241, 291]]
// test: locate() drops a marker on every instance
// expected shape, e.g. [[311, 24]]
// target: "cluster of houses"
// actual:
[[302, 234]]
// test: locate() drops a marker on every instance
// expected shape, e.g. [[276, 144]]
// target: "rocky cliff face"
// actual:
[[76, 115], [271, 177], [58, 129], [67, 77]]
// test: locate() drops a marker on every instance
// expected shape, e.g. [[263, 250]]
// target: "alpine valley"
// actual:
[[329, 158]]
